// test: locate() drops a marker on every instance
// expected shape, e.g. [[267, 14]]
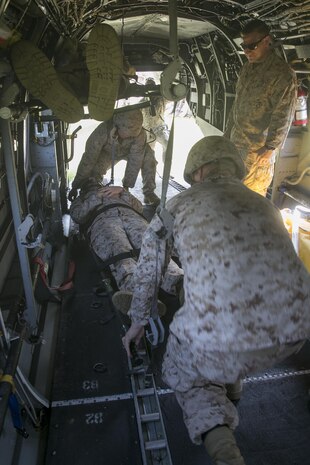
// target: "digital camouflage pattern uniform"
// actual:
[[155, 124], [246, 295], [261, 115], [119, 230], [99, 150]]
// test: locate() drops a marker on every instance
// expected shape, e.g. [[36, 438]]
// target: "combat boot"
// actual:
[[221, 445], [122, 301], [234, 391], [38, 76], [105, 64], [151, 199]]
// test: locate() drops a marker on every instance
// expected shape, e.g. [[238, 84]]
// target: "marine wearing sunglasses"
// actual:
[[252, 46], [256, 45]]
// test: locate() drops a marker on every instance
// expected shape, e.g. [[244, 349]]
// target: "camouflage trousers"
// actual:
[[148, 171], [117, 231], [199, 385], [259, 177], [161, 135]]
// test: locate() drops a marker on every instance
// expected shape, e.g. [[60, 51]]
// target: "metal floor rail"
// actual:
[[151, 429], [153, 440]]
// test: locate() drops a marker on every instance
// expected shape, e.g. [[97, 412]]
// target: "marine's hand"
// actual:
[[110, 191], [264, 155], [134, 334], [72, 194]]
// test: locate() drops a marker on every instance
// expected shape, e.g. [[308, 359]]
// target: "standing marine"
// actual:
[[264, 105]]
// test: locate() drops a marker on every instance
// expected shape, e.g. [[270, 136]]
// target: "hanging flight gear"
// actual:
[[169, 87], [301, 111]]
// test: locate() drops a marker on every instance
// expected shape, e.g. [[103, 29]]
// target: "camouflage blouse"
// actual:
[[245, 288], [264, 104]]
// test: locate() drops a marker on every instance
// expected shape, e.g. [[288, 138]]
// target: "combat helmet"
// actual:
[[129, 122], [210, 149], [150, 81]]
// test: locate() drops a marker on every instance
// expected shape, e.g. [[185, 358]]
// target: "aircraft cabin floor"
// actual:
[[92, 417]]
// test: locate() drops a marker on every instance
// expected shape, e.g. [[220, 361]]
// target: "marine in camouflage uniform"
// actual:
[[121, 138], [153, 120], [246, 301], [264, 105], [117, 230]]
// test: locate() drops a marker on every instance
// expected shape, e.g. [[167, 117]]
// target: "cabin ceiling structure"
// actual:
[[148, 18]]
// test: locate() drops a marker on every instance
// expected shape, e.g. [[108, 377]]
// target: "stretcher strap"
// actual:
[[134, 253], [111, 183], [167, 164], [102, 208], [67, 283]]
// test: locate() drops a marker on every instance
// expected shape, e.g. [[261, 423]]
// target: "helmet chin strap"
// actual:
[[114, 135], [114, 132], [111, 182]]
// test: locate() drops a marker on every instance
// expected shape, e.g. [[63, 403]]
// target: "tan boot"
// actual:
[[105, 64], [221, 445], [122, 301], [234, 391], [38, 76]]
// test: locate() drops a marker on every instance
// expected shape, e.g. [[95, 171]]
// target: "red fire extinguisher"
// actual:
[[301, 113]]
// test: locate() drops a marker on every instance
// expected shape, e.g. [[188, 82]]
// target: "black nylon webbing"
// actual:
[[123, 255], [134, 253], [103, 208]]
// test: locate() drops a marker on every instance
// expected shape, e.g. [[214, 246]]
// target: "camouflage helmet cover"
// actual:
[[130, 121], [150, 81], [209, 149]]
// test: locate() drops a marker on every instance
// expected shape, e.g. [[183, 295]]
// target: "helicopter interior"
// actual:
[[78, 398]]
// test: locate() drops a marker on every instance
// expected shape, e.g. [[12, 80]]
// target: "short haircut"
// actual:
[[256, 25]]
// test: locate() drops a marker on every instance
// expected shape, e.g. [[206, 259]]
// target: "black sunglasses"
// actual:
[[253, 45]]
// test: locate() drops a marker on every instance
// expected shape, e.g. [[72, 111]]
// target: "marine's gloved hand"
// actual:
[[264, 155], [72, 194], [134, 334], [110, 191]]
